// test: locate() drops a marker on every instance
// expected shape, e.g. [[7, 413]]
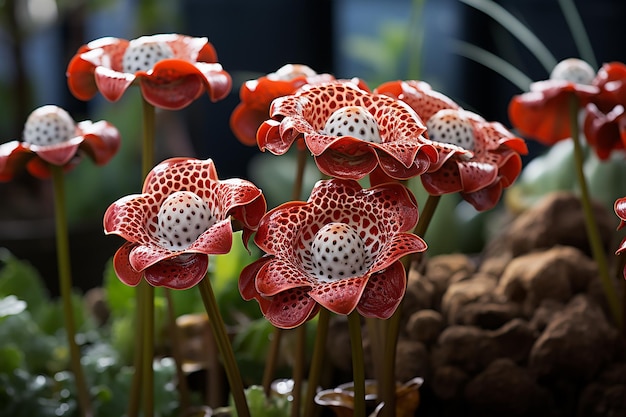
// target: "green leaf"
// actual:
[[21, 279]]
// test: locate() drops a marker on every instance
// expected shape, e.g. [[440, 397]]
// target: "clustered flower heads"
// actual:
[[543, 112]]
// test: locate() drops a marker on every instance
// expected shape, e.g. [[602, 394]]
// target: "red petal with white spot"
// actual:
[[289, 309], [279, 275], [112, 84], [340, 297], [384, 292], [179, 273], [124, 271], [306, 112]]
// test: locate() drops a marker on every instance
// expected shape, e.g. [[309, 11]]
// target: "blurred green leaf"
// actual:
[[21, 279]]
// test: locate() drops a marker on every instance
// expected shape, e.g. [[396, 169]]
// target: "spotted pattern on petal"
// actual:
[[307, 112], [379, 216]]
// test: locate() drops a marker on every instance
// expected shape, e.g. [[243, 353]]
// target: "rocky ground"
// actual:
[[523, 329]]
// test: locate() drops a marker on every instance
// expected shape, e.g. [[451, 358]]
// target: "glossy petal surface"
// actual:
[[605, 117], [493, 162], [290, 274], [305, 114], [171, 83], [543, 112], [99, 141], [135, 218]]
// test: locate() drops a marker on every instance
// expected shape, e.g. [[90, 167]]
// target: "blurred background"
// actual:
[[462, 50]]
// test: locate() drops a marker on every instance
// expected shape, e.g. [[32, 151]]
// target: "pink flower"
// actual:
[[349, 131], [339, 250], [183, 215], [51, 137], [172, 70]]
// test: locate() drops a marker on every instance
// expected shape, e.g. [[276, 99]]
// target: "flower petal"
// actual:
[[126, 217], [13, 157], [178, 273], [340, 297], [59, 154], [217, 240], [112, 84], [124, 271], [289, 309], [279, 275], [485, 198], [399, 246], [384, 292], [102, 140]]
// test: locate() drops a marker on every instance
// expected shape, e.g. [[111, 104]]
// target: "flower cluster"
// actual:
[[543, 112]]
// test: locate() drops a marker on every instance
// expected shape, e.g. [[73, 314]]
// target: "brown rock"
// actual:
[[505, 389], [441, 268], [425, 326], [464, 292], [575, 344], [420, 293], [412, 359], [544, 313], [556, 273], [467, 347], [556, 220], [514, 340], [449, 382], [487, 315]]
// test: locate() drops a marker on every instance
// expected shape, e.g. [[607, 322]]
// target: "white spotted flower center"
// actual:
[[48, 125], [448, 126], [182, 218], [142, 56], [338, 253], [290, 71], [353, 121], [573, 70]]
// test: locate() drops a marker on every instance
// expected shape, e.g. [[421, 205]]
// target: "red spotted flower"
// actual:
[[51, 137], [543, 113], [605, 116], [492, 159], [339, 250], [257, 95], [350, 131], [182, 216], [172, 70], [620, 210]]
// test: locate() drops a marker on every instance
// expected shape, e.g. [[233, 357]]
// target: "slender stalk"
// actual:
[[388, 394], [272, 357], [144, 355], [65, 284], [147, 331], [183, 388], [298, 370], [593, 234], [319, 352], [358, 363], [223, 343], [274, 351], [134, 398]]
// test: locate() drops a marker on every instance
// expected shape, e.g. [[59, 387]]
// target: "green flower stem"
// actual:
[[274, 351], [65, 284], [177, 354], [272, 357], [147, 329], [388, 394], [223, 343], [593, 233], [358, 363], [298, 370], [317, 361], [143, 378]]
